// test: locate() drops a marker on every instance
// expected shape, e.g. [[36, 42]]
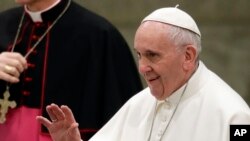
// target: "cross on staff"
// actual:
[[5, 103]]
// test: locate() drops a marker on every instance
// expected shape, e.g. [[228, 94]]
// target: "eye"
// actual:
[[138, 55], [151, 54]]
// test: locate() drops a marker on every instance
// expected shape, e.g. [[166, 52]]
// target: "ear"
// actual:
[[190, 57]]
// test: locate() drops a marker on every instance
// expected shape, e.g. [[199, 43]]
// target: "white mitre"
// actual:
[[173, 16]]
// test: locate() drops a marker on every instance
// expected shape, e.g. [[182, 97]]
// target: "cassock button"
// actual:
[[38, 24], [28, 79], [167, 105], [30, 65], [26, 93], [164, 119], [35, 37], [159, 134]]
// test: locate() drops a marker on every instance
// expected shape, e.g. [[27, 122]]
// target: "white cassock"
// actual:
[[205, 111]]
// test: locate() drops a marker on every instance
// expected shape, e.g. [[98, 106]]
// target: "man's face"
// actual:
[[160, 62]]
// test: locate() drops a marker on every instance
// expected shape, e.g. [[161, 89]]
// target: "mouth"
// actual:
[[153, 79]]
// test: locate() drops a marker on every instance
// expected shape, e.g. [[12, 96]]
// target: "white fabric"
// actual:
[[164, 112], [205, 113], [173, 16], [37, 15]]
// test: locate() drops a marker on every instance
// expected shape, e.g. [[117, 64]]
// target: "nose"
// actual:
[[144, 66]]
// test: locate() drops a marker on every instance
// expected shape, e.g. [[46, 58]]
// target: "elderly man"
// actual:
[[184, 100]]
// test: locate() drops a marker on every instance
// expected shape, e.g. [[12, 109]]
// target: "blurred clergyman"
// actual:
[[57, 51]]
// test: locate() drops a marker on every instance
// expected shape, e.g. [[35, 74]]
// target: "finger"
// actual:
[[59, 115], [73, 131], [11, 70], [14, 62], [15, 59], [55, 112], [44, 121], [68, 114], [73, 126], [8, 78], [17, 64], [21, 60], [50, 112]]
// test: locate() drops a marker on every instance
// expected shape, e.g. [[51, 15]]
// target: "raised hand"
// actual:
[[62, 126], [12, 64]]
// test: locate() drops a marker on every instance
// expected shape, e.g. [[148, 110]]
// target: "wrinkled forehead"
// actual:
[[152, 29], [152, 35]]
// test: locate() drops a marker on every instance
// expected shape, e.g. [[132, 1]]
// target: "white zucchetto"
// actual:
[[173, 16]]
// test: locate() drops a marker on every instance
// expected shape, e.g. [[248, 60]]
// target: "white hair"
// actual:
[[182, 37]]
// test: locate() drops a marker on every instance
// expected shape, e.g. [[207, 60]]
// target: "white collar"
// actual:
[[195, 83], [174, 98], [37, 16]]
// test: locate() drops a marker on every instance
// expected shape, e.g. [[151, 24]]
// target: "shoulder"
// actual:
[[214, 95], [9, 21], [218, 96], [140, 105], [11, 13], [141, 100], [87, 17], [223, 92]]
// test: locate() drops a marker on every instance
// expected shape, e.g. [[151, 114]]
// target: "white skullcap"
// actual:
[[173, 16]]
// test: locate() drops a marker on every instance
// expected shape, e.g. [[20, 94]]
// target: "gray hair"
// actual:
[[181, 37]]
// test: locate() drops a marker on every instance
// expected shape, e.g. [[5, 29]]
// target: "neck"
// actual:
[[41, 5], [185, 79]]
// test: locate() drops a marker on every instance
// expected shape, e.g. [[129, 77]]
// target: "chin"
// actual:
[[156, 94]]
